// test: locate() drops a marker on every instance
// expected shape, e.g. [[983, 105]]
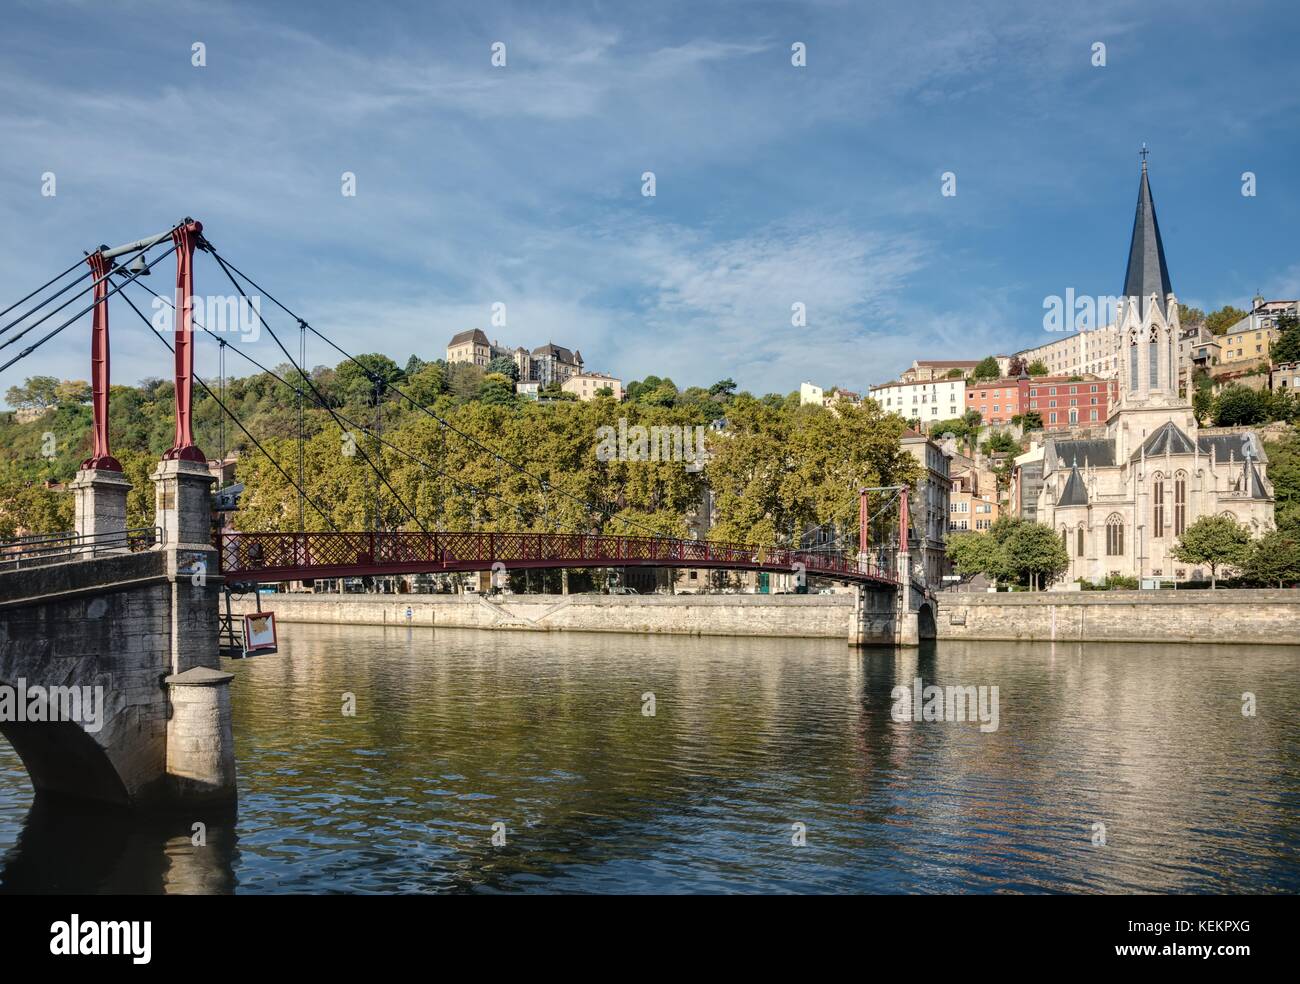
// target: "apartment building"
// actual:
[[1068, 401], [969, 508], [929, 508], [997, 400], [927, 370], [588, 385], [1285, 377], [927, 402], [1079, 352]]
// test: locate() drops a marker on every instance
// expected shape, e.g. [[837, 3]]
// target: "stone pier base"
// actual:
[[200, 743]]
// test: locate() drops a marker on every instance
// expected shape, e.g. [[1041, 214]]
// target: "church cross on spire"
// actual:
[[1147, 272]]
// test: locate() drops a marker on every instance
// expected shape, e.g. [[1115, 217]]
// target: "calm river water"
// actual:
[[457, 730]]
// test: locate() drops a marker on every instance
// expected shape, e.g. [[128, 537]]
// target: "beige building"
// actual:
[[928, 506], [473, 346], [586, 385], [1078, 353], [549, 363], [925, 370], [927, 402], [1248, 342], [969, 506], [1285, 378], [1121, 502], [1198, 349]]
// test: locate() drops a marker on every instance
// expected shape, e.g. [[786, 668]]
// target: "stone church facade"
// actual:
[[1120, 501]]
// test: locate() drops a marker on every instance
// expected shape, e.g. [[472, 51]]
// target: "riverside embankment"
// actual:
[[1232, 616]]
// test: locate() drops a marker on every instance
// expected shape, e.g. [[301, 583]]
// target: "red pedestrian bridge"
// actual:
[[269, 557]]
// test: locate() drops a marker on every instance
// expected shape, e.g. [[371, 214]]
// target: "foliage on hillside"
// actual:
[[775, 467]]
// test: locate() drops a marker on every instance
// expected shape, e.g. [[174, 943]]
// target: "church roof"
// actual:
[[1226, 446], [1095, 452], [1167, 439], [1074, 493], [1254, 484], [1147, 272]]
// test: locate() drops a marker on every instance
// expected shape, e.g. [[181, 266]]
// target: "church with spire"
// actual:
[[1121, 501]]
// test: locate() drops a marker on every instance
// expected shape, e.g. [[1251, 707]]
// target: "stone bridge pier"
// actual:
[[903, 616], [110, 683]]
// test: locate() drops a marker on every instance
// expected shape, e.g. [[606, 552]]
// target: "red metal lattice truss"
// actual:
[[304, 556]]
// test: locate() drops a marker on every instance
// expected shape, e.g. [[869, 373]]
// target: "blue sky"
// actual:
[[775, 184]]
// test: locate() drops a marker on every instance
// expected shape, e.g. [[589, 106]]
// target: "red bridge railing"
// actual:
[[303, 556]]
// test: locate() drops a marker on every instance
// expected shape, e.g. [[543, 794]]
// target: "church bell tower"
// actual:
[[1148, 323]]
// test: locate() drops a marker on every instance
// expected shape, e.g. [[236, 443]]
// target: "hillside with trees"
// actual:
[[775, 467]]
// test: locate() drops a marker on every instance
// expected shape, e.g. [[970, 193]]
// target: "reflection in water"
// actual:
[[67, 849], [457, 730]]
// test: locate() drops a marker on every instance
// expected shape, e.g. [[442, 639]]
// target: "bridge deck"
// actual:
[[266, 557]]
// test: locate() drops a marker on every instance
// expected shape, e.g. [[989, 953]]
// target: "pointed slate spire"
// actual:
[[1147, 273], [1074, 493]]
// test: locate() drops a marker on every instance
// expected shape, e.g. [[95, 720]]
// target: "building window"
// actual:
[[1158, 508], [1078, 541], [1180, 503], [1115, 535]]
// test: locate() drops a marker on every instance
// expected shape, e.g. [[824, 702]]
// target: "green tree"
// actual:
[[1032, 420], [1034, 554], [505, 366], [1218, 322], [1037, 368], [427, 383], [1013, 549], [987, 369], [1214, 541], [1237, 406], [1000, 441], [358, 382], [37, 392], [781, 469], [1274, 558], [1284, 473], [975, 553], [1287, 346], [498, 390], [1188, 316]]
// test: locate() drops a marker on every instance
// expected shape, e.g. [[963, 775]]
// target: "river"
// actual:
[[530, 762]]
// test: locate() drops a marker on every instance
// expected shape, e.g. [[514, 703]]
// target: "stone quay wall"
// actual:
[[1260, 617], [809, 616], [1252, 616]]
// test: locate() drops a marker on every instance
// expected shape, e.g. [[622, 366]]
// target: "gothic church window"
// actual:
[[1115, 535]]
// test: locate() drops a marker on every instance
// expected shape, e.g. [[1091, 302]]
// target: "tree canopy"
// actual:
[[1215, 541]]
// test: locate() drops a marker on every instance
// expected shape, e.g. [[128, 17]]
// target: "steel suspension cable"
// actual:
[[350, 422], [330, 410], [542, 483], [117, 288], [61, 291], [238, 423]]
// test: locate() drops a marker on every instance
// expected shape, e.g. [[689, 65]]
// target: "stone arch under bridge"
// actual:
[[125, 644]]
